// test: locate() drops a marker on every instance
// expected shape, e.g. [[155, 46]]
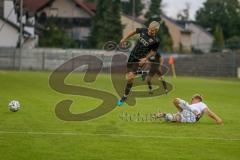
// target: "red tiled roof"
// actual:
[[36, 5], [91, 6], [85, 7]]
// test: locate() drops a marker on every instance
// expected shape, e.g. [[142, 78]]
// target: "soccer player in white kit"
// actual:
[[189, 112]]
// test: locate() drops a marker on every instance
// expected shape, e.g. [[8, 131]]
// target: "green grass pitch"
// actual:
[[36, 133]]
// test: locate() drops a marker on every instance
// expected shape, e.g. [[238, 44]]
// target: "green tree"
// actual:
[[127, 7], [97, 25], [106, 24], [54, 36], [233, 42], [223, 13], [165, 39], [218, 43], [153, 14]]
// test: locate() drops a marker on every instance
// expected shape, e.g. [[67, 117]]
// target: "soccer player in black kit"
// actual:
[[156, 63], [146, 47]]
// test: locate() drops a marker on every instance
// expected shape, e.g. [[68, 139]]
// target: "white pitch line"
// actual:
[[118, 135]]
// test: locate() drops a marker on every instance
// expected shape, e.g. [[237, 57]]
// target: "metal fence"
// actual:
[[211, 64]]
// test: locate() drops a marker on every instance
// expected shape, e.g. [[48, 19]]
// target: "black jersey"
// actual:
[[144, 45]]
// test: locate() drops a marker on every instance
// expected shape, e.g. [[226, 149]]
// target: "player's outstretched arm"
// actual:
[[212, 115], [127, 37]]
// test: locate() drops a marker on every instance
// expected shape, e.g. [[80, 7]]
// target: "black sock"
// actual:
[[127, 91], [149, 85], [164, 84]]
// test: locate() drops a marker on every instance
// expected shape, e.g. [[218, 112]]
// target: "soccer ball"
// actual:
[[14, 106]]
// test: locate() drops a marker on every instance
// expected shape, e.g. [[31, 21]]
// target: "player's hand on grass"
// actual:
[[220, 122]]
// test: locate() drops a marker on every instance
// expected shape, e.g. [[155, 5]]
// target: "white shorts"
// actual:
[[187, 116]]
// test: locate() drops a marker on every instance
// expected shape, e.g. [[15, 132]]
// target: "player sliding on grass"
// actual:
[[189, 113], [145, 48]]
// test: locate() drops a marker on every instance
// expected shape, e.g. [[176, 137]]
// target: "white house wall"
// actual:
[[9, 11], [186, 41], [200, 39], [10, 15], [30, 30], [30, 43], [8, 35]]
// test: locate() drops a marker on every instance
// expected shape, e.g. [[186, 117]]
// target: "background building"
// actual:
[[187, 35], [10, 26]]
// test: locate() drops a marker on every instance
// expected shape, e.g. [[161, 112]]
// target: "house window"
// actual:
[[81, 33]]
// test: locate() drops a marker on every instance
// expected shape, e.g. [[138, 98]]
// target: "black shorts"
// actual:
[[133, 67], [155, 69]]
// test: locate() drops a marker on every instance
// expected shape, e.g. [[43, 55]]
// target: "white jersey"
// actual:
[[191, 112], [197, 108]]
